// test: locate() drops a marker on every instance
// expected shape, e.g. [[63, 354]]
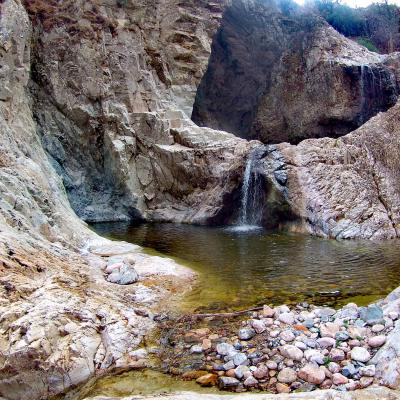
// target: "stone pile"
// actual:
[[284, 350]]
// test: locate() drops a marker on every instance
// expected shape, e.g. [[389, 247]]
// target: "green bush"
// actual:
[[368, 44]]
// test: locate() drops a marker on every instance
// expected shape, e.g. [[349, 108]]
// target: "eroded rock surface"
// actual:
[[348, 187]]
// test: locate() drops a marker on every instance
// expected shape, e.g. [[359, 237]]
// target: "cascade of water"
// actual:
[[251, 205]]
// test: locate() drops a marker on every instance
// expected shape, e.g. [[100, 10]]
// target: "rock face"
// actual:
[[277, 74], [344, 188], [115, 83]]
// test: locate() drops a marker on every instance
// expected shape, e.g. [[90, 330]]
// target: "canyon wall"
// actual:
[[278, 73]]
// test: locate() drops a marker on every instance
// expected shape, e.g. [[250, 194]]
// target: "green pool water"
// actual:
[[239, 269]]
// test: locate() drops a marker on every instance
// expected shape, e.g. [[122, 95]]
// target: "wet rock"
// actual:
[[287, 375], [246, 333], [226, 382], [360, 354], [291, 352], [207, 380], [312, 374]]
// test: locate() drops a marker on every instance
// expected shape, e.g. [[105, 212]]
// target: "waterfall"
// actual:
[[252, 196]]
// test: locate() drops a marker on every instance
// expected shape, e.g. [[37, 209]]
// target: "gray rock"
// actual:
[[126, 275], [372, 314], [342, 336], [224, 348], [240, 359], [349, 370], [250, 381], [246, 333], [241, 370], [225, 382], [229, 365]]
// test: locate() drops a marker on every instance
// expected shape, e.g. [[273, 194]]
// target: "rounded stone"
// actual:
[[311, 373], [286, 318], [287, 375], [360, 354], [377, 341], [291, 352], [339, 379], [282, 388]]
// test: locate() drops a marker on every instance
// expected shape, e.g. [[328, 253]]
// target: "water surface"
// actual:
[[243, 268]]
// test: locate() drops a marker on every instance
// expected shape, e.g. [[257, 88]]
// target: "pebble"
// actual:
[[261, 372], [286, 318], [333, 367], [224, 348], [206, 344], [246, 333], [241, 370], [377, 341], [274, 334], [207, 380], [302, 346], [287, 375], [240, 359], [326, 342], [271, 365], [360, 354], [393, 315], [342, 336], [227, 382], [196, 349], [282, 388], [229, 365], [312, 374], [292, 352], [366, 381], [368, 370], [287, 336], [339, 379], [258, 326], [250, 381], [378, 328], [330, 329], [336, 355], [349, 370], [268, 312]]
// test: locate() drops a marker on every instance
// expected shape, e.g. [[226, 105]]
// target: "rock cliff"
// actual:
[[277, 73]]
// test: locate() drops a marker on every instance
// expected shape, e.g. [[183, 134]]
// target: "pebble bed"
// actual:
[[283, 350]]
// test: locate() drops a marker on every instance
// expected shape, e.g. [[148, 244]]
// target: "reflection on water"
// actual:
[[243, 268]]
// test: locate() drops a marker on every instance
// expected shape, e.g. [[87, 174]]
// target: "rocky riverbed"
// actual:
[[284, 350]]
